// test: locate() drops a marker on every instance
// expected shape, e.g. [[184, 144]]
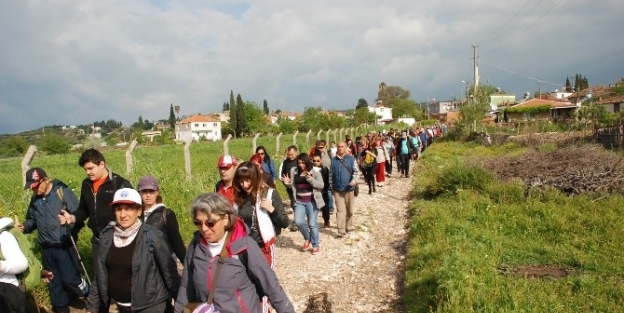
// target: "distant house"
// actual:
[[198, 126], [409, 121], [536, 109], [600, 95], [290, 115], [150, 134], [443, 110], [384, 115]]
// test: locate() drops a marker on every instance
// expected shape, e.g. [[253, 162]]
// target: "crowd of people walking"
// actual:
[[228, 266]]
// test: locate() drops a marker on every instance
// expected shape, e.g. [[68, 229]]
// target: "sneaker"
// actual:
[[306, 245], [341, 235], [316, 251]]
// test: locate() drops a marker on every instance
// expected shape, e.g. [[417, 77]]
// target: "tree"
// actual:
[[362, 116], [406, 108], [361, 103], [256, 119], [54, 144], [241, 120], [226, 106], [13, 146], [568, 86], [172, 118], [233, 118], [580, 82], [389, 95], [265, 107]]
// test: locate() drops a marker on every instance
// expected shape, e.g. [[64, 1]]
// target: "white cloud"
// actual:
[[67, 62]]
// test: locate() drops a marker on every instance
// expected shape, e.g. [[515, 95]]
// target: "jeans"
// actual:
[[310, 232], [330, 201]]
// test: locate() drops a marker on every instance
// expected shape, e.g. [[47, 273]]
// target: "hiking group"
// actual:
[[228, 264]]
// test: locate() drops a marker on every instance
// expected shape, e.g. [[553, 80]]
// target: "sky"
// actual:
[[74, 62]]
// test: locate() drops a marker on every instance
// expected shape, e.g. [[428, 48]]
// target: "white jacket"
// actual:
[[15, 261]]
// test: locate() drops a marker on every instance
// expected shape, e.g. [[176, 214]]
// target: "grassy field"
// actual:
[[472, 238]]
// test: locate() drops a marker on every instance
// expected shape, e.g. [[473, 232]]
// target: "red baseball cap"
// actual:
[[226, 161]]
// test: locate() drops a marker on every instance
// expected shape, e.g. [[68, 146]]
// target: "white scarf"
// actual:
[[128, 234]]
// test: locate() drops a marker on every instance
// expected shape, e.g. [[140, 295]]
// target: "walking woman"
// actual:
[[266, 177], [135, 267], [382, 159], [318, 166], [368, 164], [260, 207], [307, 186], [268, 166], [223, 266]]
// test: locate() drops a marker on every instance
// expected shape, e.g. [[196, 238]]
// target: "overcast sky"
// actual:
[[74, 62]]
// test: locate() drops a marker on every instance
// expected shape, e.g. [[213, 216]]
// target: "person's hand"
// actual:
[[267, 205], [66, 218], [20, 227], [46, 276], [285, 179], [352, 183]]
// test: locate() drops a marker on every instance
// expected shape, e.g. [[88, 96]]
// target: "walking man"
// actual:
[[404, 150], [227, 168], [289, 163], [343, 176], [96, 195]]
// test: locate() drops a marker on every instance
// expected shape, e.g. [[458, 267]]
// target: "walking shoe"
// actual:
[[293, 227], [341, 235], [316, 251], [306, 245], [327, 225]]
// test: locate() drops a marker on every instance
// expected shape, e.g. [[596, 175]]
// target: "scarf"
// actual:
[[128, 234]]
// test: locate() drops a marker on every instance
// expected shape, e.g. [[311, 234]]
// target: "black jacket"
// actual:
[[169, 228], [279, 218], [43, 214], [155, 278], [97, 207]]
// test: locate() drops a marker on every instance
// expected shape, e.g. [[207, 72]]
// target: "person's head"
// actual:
[[317, 160], [291, 153], [342, 149], [247, 181], [227, 167], [256, 159], [128, 207], [150, 191], [94, 164], [263, 153], [333, 144], [38, 181], [321, 145], [404, 135], [213, 215], [304, 162]]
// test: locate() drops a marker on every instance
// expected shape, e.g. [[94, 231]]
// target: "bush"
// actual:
[[54, 144], [456, 177]]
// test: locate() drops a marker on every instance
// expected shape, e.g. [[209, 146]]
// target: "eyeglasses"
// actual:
[[321, 147], [209, 224]]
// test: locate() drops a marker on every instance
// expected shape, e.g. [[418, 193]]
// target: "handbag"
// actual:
[[356, 189], [208, 306]]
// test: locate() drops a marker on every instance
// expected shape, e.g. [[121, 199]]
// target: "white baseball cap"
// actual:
[[127, 196]]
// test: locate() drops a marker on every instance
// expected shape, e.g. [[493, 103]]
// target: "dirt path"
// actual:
[[360, 273]]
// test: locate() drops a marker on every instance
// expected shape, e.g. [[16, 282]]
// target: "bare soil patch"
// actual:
[[533, 271]]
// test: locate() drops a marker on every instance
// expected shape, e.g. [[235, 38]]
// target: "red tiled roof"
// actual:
[[198, 118], [538, 102]]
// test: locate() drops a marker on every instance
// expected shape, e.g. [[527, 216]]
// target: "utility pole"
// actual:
[[475, 68], [539, 89]]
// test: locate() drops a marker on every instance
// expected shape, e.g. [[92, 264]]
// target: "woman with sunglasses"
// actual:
[[260, 207], [135, 267], [268, 166], [307, 186], [224, 266]]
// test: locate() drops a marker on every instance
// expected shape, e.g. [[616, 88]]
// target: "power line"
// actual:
[[503, 29], [525, 76]]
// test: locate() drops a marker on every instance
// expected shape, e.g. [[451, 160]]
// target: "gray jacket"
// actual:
[[155, 278], [239, 283], [317, 185]]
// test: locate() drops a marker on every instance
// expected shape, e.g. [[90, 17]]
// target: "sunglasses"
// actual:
[[35, 185], [209, 224]]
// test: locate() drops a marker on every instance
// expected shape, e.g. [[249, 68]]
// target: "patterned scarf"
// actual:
[[127, 234]]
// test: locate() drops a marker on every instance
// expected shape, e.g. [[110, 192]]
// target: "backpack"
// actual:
[[369, 160], [31, 277]]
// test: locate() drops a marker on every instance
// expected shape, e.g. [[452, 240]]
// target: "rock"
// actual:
[[319, 303]]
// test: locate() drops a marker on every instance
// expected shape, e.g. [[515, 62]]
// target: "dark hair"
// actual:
[[244, 171], [267, 158], [292, 147], [307, 161], [91, 155]]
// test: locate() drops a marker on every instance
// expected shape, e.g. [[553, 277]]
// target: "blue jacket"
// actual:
[[43, 214], [423, 138], [339, 176], [270, 168]]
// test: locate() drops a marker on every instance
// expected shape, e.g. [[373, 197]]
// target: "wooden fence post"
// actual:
[[129, 161], [277, 145], [255, 142], [28, 157], [295, 137], [226, 145], [308, 137], [187, 159]]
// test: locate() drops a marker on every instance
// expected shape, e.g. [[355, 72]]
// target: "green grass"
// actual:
[[459, 239]]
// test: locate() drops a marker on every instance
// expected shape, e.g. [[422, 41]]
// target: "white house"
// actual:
[[384, 115], [150, 134], [197, 126]]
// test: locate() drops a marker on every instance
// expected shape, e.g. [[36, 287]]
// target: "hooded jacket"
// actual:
[[43, 214], [235, 289]]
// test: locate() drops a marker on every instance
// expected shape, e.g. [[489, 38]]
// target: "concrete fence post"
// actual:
[[341, 137], [318, 135], [28, 157], [187, 159], [295, 137], [277, 145], [129, 160], [226, 145], [327, 136], [308, 137], [255, 143], [336, 131]]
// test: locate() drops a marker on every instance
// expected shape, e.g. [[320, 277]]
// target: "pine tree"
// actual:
[[568, 87], [233, 119], [172, 118], [265, 107], [226, 106], [241, 120]]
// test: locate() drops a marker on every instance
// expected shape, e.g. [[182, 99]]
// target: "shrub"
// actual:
[[54, 144], [456, 177]]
